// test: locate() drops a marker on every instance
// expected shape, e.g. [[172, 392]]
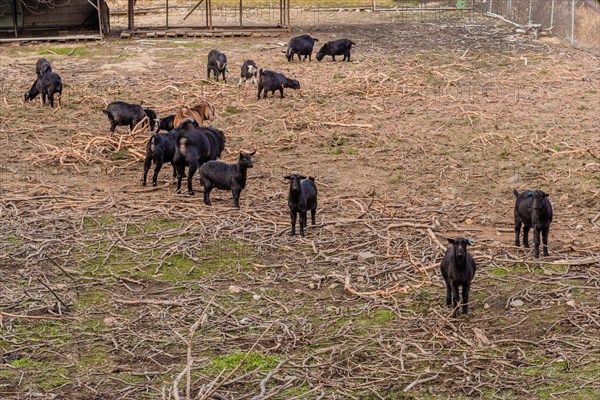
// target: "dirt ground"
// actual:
[[109, 290]]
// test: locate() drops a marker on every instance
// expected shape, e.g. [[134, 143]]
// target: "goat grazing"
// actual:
[[160, 149], [336, 48], [533, 209], [121, 113], [217, 63], [152, 117], [165, 124], [458, 269], [42, 66], [217, 174], [195, 146], [47, 85], [302, 46], [301, 198], [270, 81], [200, 113], [249, 71]]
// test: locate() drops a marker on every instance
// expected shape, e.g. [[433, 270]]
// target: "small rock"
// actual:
[[245, 320], [517, 303], [514, 178], [486, 306], [256, 297], [235, 289], [110, 321], [366, 256], [579, 227], [334, 286], [469, 221], [571, 303], [311, 285]]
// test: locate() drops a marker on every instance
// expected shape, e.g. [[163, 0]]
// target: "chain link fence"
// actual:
[[575, 21]]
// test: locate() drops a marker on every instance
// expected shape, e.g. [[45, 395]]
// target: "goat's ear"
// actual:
[[302, 177], [546, 195], [450, 240], [287, 177], [469, 242]]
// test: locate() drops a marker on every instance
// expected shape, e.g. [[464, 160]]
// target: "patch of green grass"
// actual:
[[93, 222], [120, 155], [12, 240], [230, 110], [94, 297], [158, 225], [509, 270], [26, 363], [212, 258], [295, 391], [265, 362], [53, 378], [94, 359], [42, 329], [381, 316], [77, 51]]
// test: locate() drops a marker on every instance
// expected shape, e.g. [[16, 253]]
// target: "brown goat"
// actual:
[[199, 113]]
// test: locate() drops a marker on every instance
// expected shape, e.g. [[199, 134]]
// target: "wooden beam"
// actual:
[[241, 13], [130, 18], [98, 3], [167, 15], [192, 10], [15, 16]]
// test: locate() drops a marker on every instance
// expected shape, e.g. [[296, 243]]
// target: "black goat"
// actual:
[[121, 113], [47, 85], [458, 269], [302, 46], [160, 149], [270, 81], [336, 48], [217, 63], [152, 117], [42, 66], [217, 174], [301, 198], [165, 124], [533, 209], [249, 71], [195, 146]]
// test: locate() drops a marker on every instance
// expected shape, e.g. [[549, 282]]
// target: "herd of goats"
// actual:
[[188, 143]]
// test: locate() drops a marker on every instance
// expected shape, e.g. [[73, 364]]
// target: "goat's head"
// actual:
[[292, 84], [323, 52], [538, 198], [245, 159], [460, 247], [295, 180]]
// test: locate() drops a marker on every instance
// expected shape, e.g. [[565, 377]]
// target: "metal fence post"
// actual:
[[552, 16], [572, 22], [490, 8], [508, 12]]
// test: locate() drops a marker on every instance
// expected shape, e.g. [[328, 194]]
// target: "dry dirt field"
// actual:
[[109, 290]]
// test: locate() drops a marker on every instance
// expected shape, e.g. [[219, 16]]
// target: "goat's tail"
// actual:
[[311, 178], [515, 192], [105, 111], [260, 72]]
